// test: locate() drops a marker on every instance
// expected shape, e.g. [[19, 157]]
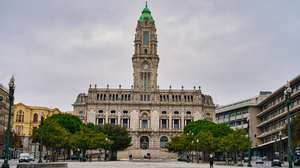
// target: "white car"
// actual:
[[25, 157]]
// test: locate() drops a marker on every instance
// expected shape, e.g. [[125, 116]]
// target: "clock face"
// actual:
[[146, 66]]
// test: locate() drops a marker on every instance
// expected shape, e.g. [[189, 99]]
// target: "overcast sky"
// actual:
[[232, 49]]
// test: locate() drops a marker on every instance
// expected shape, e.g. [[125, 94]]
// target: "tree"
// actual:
[[209, 137], [119, 136], [53, 136], [87, 138], [67, 121], [207, 142], [235, 142], [179, 144], [218, 130], [296, 131]]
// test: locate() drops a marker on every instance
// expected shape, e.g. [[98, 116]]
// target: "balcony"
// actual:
[[145, 130], [280, 128], [270, 108]]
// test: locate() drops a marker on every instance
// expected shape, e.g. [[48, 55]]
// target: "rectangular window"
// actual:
[[113, 121], [164, 123], [125, 123], [176, 124], [144, 123], [100, 121], [146, 38]]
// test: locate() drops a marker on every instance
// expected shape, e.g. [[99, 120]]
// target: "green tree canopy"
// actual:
[[88, 138], [67, 121], [118, 135], [217, 130]]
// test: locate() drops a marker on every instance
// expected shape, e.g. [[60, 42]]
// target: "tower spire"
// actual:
[[146, 13]]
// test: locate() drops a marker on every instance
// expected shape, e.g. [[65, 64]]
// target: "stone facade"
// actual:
[[25, 119], [152, 115], [4, 105]]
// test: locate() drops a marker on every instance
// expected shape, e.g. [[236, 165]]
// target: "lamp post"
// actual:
[[106, 140], [249, 150], [197, 149], [192, 152], [280, 146], [41, 142], [287, 94], [8, 129]]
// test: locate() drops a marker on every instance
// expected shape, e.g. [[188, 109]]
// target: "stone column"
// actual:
[[182, 122], [134, 119], [154, 120], [119, 118], [170, 122], [106, 117]]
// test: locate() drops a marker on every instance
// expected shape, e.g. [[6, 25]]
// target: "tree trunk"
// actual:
[[226, 158], [113, 155]]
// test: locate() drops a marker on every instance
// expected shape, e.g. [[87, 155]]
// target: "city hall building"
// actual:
[[152, 115]]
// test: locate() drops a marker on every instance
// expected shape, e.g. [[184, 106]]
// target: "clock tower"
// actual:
[[145, 59]]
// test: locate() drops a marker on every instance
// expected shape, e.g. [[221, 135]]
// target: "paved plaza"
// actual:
[[143, 164]]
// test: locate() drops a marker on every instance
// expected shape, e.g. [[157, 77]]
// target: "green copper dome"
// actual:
[[146, 14]]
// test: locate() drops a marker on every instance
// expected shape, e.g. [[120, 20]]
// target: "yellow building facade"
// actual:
[[26, 118]]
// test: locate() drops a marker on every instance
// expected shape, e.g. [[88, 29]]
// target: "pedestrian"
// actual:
[[211, 161]]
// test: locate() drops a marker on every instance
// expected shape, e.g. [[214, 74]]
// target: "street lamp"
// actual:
[[197, 149], [193, 152], [41, 142], [106, 140], [249, 150], [8, 129], [280, 146], [287, 94]]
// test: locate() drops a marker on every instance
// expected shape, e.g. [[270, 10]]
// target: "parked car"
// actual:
[[78, 157], [297, 156], [276, 162], [25, 157], [259, 161]]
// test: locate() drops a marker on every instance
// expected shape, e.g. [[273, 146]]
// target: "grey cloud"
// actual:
[[231, 48]]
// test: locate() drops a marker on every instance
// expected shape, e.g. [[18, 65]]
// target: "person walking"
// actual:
[[211, 161]]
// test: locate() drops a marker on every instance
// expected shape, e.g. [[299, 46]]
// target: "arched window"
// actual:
[[163, 112], [42, 117], [112, 111], [20, 116], [100, 111], [35, 118], [176, 112], [144, 142], [188, 113], [163, 141]]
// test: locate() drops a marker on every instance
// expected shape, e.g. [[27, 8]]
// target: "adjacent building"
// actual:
[[151, 114], [25, 119], [242, 115], [4, 105], [267, 118], [272, 119]]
